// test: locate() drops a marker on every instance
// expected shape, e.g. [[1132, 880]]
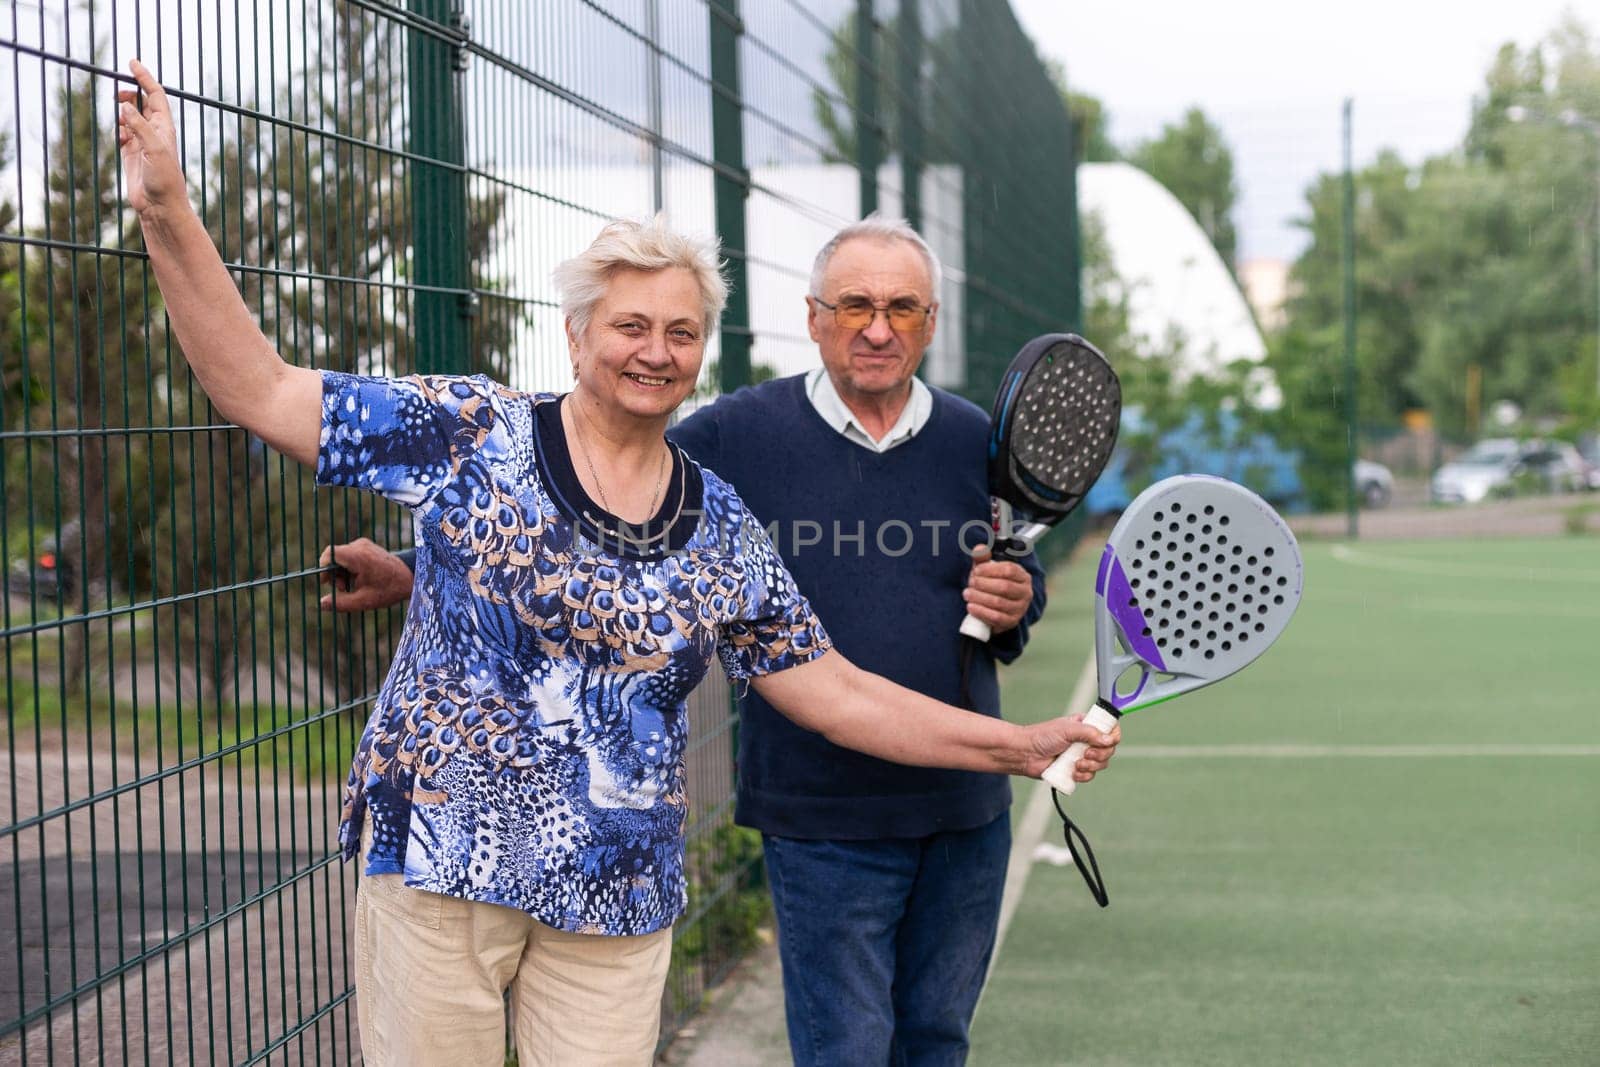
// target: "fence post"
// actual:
[[443, 300], [1348, 248], [910, 112], [984, 363], [732, 187], [1073, 269], [869, 140], [652, 30]]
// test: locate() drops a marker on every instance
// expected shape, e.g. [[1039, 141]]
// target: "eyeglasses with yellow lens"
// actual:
[[855, 313]]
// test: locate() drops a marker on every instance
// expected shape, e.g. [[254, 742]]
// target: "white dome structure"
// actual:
[[1178, 287]]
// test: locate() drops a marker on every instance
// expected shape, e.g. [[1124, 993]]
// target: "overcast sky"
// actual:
[[1274, 73]]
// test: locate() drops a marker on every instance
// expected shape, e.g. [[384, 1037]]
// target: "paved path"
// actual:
[[208, 856], [742, 1023], [1530, 516], [209, 897]]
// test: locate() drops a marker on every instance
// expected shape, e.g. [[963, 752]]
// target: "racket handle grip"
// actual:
[[1059, 774], [977, 628]]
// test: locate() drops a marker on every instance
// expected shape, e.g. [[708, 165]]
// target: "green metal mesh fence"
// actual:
[[391, 184]]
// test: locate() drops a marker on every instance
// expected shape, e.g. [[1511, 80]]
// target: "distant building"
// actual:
[[1266, 286], [1179, 289], [1181, 298]]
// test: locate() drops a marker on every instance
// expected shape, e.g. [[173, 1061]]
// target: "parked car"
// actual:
[[1488, 468], [1227, 449], [1501, 466], [1589, 449], [46, 576], [1554, 467], [1374, 483]]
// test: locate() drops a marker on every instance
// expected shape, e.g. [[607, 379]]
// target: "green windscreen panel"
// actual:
[[391, 183]]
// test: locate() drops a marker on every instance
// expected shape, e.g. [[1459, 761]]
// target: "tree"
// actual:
[[1475, 273], [318, 199], [10, 299], [1477, 265], [1090, 120], [1192, 159], [14, 384], [1091, 124], [709, 386], [1389, 281], [834, 108], [117, 450], [1213, 410], [1515, 78], [75, 346]]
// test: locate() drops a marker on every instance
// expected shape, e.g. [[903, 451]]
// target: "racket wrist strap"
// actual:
[[1082, 854]]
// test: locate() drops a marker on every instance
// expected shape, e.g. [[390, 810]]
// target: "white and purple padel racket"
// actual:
[[1198, 578]]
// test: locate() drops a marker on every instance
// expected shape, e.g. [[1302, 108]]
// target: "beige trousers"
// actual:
[[432, 971]]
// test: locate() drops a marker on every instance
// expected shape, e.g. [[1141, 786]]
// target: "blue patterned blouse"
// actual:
[[527, 745]]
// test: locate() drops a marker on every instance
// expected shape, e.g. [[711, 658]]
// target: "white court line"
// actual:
[[1127, 751], [1359, 558], [1031, 828], [1396, 601]]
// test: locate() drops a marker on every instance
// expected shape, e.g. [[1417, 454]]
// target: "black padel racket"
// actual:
[[1053, 427], [1198, 578]]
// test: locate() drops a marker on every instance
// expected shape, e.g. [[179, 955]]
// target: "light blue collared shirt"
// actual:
[[825, 398]]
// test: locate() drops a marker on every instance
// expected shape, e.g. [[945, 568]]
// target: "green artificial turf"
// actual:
[[1341, 881]]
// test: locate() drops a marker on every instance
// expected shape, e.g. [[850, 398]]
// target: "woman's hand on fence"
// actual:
[[149, 143], [366, 575]]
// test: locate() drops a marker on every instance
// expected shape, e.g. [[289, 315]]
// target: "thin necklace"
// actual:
[[655, 493]]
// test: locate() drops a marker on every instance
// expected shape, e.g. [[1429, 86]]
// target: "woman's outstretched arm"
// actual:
[[867, 712], [246, 379]]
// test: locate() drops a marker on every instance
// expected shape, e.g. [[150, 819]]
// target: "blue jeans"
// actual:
[[885, 942]]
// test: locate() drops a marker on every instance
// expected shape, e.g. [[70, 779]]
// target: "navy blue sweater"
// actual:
[[874, 540]]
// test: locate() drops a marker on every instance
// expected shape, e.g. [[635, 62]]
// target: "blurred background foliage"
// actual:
[[1475, 273]]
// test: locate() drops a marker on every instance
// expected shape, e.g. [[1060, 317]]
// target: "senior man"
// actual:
[[886, 880]]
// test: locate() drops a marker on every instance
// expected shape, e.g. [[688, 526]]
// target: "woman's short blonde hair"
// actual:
[[632, 244]]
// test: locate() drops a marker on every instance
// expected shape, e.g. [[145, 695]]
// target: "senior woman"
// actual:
[[518, 793]]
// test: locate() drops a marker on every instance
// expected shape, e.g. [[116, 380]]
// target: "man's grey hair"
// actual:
[[877, 227], [632, 244]]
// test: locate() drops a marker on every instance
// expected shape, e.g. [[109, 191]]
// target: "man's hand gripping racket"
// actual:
[[1197, 579], [1052, 429]]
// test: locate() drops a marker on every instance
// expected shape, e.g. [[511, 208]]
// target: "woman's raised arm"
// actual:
[[246, 379]]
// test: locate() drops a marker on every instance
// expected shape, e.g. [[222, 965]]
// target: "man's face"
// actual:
[[876, 360]]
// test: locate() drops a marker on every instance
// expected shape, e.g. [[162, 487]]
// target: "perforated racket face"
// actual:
[[1058, 423], [1198, 578]]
